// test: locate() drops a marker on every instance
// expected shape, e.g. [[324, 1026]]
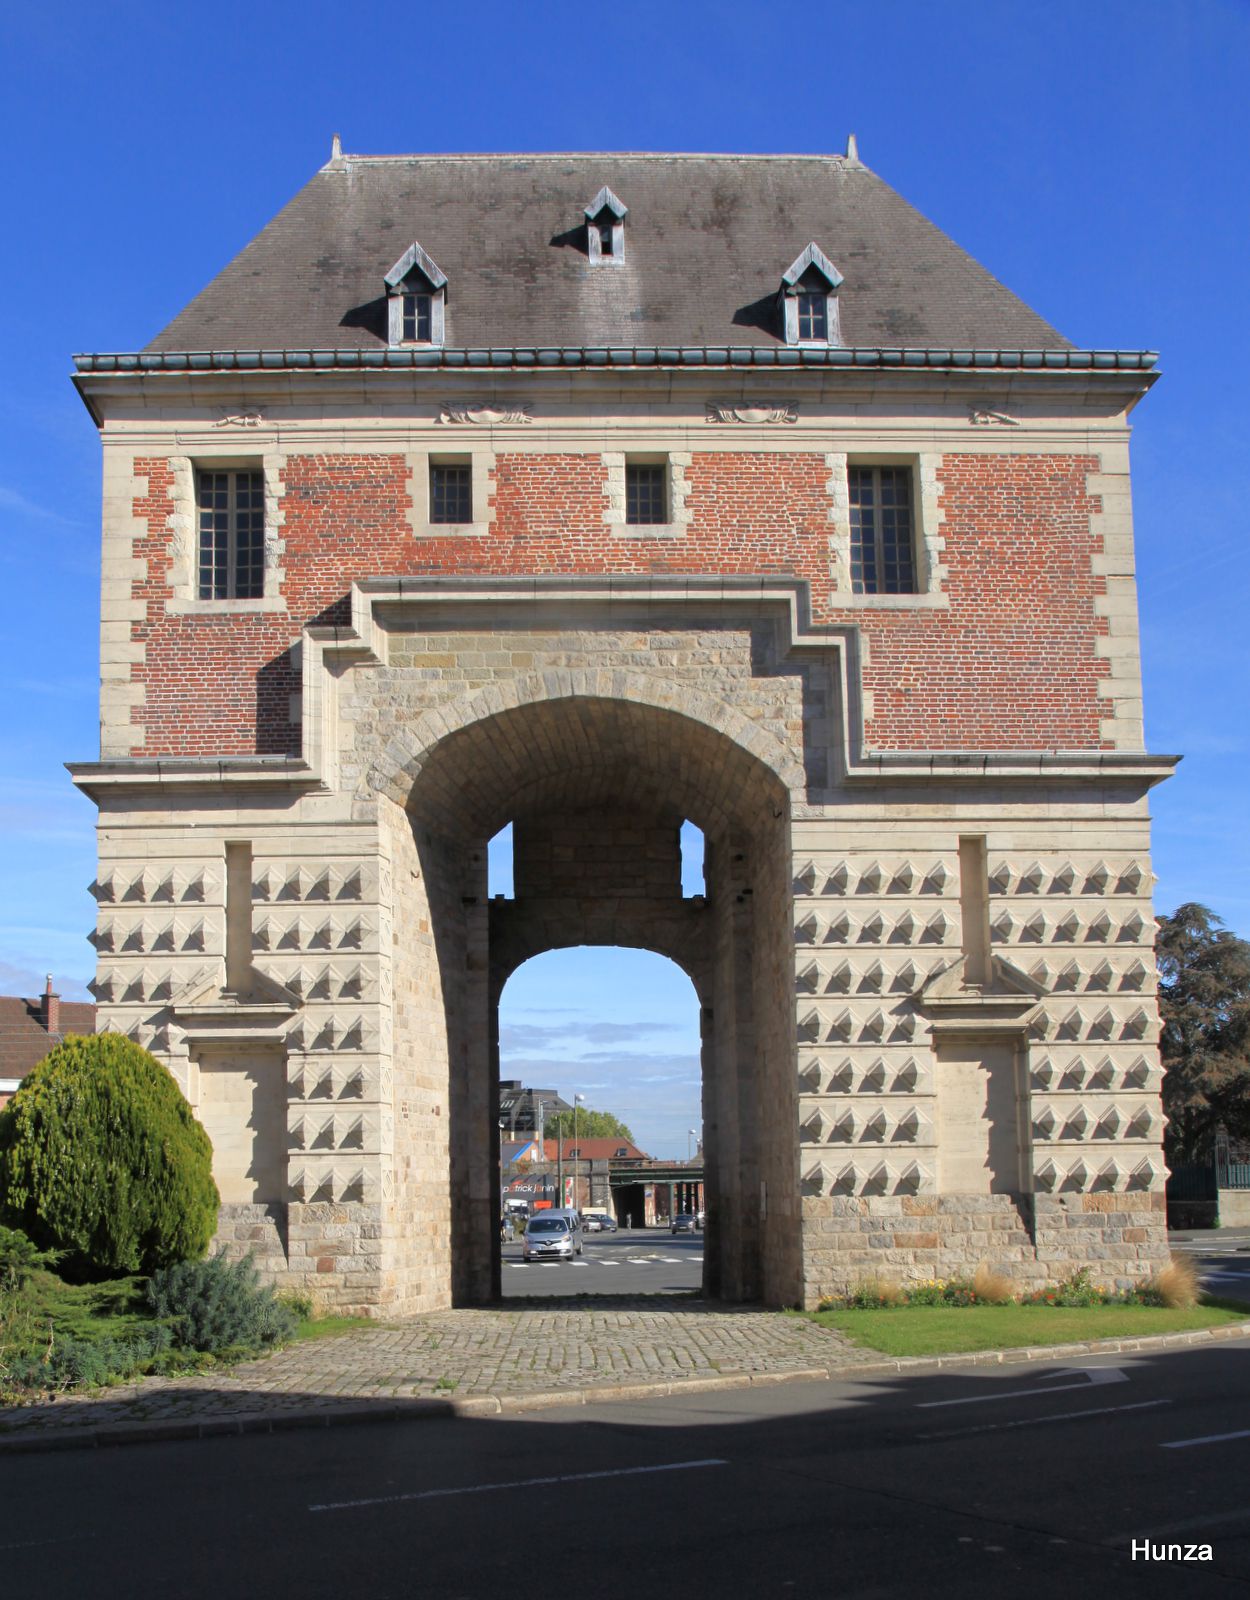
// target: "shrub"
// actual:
[[88, 1363], [19, 1257], [874, 1293], [992, 1288], [218, 1305], [1176, 1285], [101, 1157]]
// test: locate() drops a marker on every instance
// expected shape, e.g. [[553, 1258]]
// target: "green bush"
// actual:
[[101, 1157], [88, 1363], [19, 1258], [218, 1305]]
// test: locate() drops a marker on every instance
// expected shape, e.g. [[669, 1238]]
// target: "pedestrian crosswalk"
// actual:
[[653, 1260]]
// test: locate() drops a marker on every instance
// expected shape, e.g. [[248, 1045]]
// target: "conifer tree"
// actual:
[[102, 1158]]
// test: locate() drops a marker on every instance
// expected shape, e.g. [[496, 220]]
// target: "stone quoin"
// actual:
[[591, 494]]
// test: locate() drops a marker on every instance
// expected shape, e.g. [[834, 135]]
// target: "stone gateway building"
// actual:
[[591, 494]]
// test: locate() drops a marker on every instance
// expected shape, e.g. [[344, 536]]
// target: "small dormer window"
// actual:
[[605, 228], [416, 294], [809, 299]]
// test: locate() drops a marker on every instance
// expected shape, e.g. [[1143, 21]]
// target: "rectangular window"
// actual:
[[814, 316], [416, 319], [231, 516], [451, 492], [646, 492], [882, 556]]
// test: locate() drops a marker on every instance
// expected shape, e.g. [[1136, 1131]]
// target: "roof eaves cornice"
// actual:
[[617, 357]]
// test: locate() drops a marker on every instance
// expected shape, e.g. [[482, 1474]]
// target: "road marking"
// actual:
[[1040, 1422], [1090, 1377], [1119, 1540], [521, 1483], [1207, 1438]]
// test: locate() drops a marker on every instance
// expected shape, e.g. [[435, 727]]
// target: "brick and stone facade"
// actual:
[[924, 958]]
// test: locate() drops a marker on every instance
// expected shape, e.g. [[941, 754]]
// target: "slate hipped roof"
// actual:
[[708, 238]]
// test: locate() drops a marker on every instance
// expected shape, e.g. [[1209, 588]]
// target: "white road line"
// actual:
[[1207, 1438], [1040, 1422], [1117, 1541], [1093, 1377], [520, 1483]]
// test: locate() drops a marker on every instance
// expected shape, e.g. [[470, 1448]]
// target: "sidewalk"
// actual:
[[512, 1357], [470, 1361]]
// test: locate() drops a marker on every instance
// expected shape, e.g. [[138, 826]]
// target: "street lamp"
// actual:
[[503, 1128], [691, 1134], [578, 1099]]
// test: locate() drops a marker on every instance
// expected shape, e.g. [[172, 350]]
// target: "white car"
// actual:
[[549, 1238]]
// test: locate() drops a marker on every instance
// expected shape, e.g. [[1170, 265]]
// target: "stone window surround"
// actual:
[[481, 461], [926, 530], [184, 525], [676, 463]]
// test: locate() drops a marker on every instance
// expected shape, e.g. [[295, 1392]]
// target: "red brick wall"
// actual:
[[1010, 664]]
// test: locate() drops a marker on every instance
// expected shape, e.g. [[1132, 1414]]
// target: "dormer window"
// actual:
[[605, 228], [809, 299], [416, 292]]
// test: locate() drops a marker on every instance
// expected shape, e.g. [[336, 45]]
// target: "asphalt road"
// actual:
[[1223, 1262], [1030, 1480], [637, 1261]]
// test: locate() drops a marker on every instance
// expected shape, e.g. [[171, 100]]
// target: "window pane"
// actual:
[[646, 499], [417, 318], [231, 514], [249, 535], [882, 555], [451, 493], [813, 316]]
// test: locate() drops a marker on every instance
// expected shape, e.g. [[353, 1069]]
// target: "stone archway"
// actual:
[[596, 771]]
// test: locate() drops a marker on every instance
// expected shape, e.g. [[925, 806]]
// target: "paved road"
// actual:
[[638, 1261], [1027, 1481], [1223, 1261]]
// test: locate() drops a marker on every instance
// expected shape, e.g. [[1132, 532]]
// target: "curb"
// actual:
[[490, 1405]]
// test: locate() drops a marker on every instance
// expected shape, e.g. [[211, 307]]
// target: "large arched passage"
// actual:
[[596, 788]]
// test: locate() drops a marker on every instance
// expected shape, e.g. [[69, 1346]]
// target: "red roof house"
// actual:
[[30, 1028]]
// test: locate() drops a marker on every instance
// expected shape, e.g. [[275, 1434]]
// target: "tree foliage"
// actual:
[[1204, 1003], [101, 1157], [590, 1125]]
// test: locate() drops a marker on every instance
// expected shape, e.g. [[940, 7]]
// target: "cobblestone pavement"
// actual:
[[508, 1354]]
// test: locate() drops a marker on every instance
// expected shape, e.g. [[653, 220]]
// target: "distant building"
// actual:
[[30, 1028], [519, 1107]]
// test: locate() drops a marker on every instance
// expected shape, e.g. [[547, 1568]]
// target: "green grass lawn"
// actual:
[[328, 1327], [952, 1330]]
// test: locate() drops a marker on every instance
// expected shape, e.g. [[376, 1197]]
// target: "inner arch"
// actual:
[[596, 790]]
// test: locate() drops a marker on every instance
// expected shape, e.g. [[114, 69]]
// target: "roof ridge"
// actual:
[[596, 155]]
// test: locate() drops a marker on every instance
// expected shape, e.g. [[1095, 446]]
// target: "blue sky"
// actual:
[[1092, 156]]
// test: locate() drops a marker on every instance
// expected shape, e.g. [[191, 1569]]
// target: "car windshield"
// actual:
[[548, 1225]]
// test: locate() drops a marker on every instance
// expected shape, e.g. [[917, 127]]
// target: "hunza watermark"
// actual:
[[1143, 1550]]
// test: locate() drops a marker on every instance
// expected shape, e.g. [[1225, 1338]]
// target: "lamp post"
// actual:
[[691, 1134], [503, 1128], [578, 1099]]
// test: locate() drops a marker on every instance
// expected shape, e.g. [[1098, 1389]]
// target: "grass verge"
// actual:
[[956, 1330], [328, 1327]]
